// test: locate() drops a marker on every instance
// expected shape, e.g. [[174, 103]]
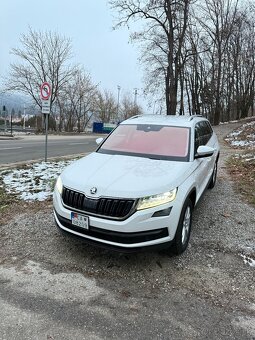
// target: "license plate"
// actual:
[[80, 220]]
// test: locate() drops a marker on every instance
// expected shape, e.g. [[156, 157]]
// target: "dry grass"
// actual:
[[6, 200], [14, 207], [241, 166], [11, 205], [242, 170]]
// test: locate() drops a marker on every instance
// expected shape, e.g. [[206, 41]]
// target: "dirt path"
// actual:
[[59, 288], [222, 131]]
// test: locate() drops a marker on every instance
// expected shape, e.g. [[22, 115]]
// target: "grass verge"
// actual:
[[6, 199], [242, 170]]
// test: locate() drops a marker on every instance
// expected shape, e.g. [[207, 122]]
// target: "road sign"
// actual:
[[46, 106], [45, 91]]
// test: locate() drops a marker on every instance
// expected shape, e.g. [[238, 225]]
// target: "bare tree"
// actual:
[[242, 63], [106, 107], [219, 74], [79, 96], [202, 51], [162, 39], [217, 18], [42, 57], [128, 108]]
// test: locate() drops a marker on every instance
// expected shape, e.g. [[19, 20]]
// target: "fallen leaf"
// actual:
[[226, 214]]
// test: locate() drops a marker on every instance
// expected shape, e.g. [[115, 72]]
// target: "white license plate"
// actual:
[[80, 220]]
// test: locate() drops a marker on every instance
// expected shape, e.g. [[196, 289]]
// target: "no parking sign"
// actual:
[[45, 92]]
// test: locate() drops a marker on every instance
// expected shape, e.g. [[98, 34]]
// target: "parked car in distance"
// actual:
[[139, 188]]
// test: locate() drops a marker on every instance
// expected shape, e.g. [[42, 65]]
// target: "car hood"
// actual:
[[124, 176]]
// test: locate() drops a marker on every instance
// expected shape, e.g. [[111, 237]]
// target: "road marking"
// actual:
[[84, 143], [17, 147]]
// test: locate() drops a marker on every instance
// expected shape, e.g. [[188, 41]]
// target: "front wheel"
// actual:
[[182, 235]]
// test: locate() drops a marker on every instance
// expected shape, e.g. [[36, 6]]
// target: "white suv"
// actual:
[[139, 188]]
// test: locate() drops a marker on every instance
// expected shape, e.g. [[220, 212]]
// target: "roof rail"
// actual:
[[135, 116], [193, 116]]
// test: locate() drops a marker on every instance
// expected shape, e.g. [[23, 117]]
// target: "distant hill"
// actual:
[[15, 102]]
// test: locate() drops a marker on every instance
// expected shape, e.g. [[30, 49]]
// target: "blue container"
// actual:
[[98, 127]]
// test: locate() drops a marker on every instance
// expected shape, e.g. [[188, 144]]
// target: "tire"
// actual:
[[214, 176], [181, 239]]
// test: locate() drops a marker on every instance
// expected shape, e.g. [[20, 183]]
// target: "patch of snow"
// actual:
[[249, 124], [40, 196], [246, 157], [235, 133], [237, 138], [232, 121], [242, 143], [248, 260], [22, 133], [34, 183]]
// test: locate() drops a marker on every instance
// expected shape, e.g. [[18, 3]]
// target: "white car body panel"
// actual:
[[114, 175]]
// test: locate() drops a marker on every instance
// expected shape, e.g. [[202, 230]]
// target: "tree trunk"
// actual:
[[168, 112]]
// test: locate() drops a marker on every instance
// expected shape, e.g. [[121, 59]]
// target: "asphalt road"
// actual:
[[33, 147]]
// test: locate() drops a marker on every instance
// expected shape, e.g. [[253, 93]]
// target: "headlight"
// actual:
[[59, 185], [155, 200]]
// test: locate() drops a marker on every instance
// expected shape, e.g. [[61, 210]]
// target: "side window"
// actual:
[[210, 130], [197, 137], [207, 131], [203, 133]]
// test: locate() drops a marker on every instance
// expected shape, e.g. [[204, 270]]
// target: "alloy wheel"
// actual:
[[186, 225]]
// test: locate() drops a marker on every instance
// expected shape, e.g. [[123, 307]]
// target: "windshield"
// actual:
[[153, 141]]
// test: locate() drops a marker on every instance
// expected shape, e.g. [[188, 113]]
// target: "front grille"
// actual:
[[115, 208]]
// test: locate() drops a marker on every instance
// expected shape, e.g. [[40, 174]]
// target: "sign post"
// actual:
[[45, 92], [4, 112]]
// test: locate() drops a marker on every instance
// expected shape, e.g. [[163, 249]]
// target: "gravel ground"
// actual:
[[54, 287]]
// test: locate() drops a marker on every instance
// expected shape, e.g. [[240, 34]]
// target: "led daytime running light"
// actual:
[[155, 200]]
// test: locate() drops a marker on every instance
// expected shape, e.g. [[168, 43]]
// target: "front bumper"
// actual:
[[138, 231], [110, 246]]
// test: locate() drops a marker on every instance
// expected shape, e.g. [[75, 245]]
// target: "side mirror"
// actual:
[[99, 140], [204, 151]]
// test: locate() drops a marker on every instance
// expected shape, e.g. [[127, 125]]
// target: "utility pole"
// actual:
[[154, 106], [118, 87], [135, 92], [135, 100], [5, 123], [11, 122], [24, 122]]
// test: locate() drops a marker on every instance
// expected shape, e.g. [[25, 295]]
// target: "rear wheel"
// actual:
[[182, 235], [214, 176]]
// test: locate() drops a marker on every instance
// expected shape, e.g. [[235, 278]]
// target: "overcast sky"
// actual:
[[106, 54]]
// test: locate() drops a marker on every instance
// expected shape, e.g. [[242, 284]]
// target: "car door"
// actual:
[[204, 166]]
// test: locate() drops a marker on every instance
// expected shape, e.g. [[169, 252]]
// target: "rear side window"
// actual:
[[207, 130], [203, 133]]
